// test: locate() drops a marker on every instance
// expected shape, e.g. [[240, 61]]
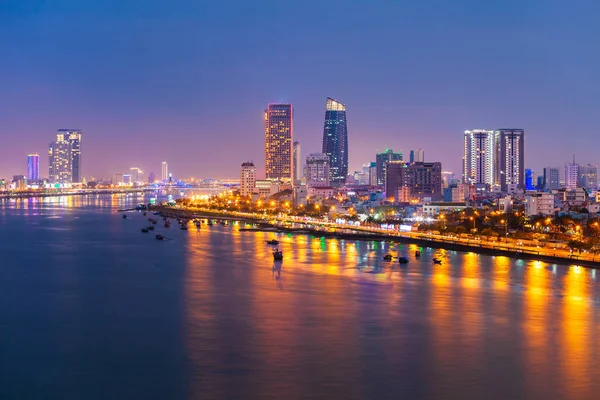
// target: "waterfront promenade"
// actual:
[[506, 246]]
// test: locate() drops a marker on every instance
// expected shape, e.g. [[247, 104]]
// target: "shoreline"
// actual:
[[267, 226]]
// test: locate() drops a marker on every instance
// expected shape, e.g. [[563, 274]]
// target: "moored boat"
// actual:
[[403, 260], [388, 257], [151, 228], [124, 216], [273, 241], [278, 254], [437, 261], [160, 237], [145, 230], [417, 253]]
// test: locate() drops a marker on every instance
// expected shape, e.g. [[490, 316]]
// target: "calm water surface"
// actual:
[[92, 308]]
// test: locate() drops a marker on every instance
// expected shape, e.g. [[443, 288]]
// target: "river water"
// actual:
[[91, 308]]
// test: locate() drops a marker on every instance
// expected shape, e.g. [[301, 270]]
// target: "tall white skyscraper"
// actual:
[[572, 175], [247, 178], [165, 171], [478, 159], [64, 157]]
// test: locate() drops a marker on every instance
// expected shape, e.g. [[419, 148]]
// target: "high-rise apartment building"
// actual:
[[509, 169], [317, 170], [478, 159], [335, 140], [423, 179], [164, 171], [572, 175], [247, 178], [588, 176], [297, 161], [65, 157], [33, 167], [551, 178], [279, 121], [382, 159], [136, 174]]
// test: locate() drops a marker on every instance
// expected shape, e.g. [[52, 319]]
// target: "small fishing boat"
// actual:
[[167, 224], [156, 213], [160, 237], [145, 213], [437, 261], [153, 222], [223, 223], [145, 230], [273, 241], [417, 253], [210, 223], [150, 219], [124, 216], [151, 228], [278, 254], [403, 260], [388, 257], [184, 227]]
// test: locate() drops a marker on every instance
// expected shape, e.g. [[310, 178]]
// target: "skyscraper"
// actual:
[[588, 176], [509, 169], [529, 181], [572, 175], [65, 157], [478, 159], [551, 178], [382, 159], [279, 121], [165, 171], [247, 178], [33, 167], [137, 175], [419, 155], [297, 162], [335, 141]]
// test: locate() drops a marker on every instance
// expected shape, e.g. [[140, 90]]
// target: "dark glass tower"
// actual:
[[335, 141]]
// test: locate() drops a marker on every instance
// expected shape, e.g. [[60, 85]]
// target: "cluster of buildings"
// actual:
[[65, 168], [493, 172]]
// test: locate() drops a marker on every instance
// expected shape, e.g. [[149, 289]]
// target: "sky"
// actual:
[[187, 81]]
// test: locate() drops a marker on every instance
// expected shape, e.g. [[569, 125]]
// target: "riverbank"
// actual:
[[330, 230]]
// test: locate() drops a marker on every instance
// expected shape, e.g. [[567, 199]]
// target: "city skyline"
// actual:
[[171, 93]]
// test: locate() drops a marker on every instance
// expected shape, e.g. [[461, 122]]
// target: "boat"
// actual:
[[184, 227], [167, 224], [145, 213], [388, 257], [437, 261], [223, 223], [124, 216], [150, 228], [160, 237], [403, 260], [153, 222], [417, 253], [278, 254], [273, 241], [150, 219], [145, 230], [156, 213], [210, 223]]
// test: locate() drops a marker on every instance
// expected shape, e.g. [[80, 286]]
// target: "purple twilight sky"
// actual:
[[187, 81]]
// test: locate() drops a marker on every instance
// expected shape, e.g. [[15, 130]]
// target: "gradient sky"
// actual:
[[187, 81]]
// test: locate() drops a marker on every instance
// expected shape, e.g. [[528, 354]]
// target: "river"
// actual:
[[91, 307]]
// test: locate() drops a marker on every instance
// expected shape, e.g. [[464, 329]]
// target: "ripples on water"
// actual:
[[92, 308]]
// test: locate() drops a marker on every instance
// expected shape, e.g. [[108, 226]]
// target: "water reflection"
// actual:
[[317, 323]]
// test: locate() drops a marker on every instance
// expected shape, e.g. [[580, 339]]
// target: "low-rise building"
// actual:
[[540, 203], [433, 209]]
